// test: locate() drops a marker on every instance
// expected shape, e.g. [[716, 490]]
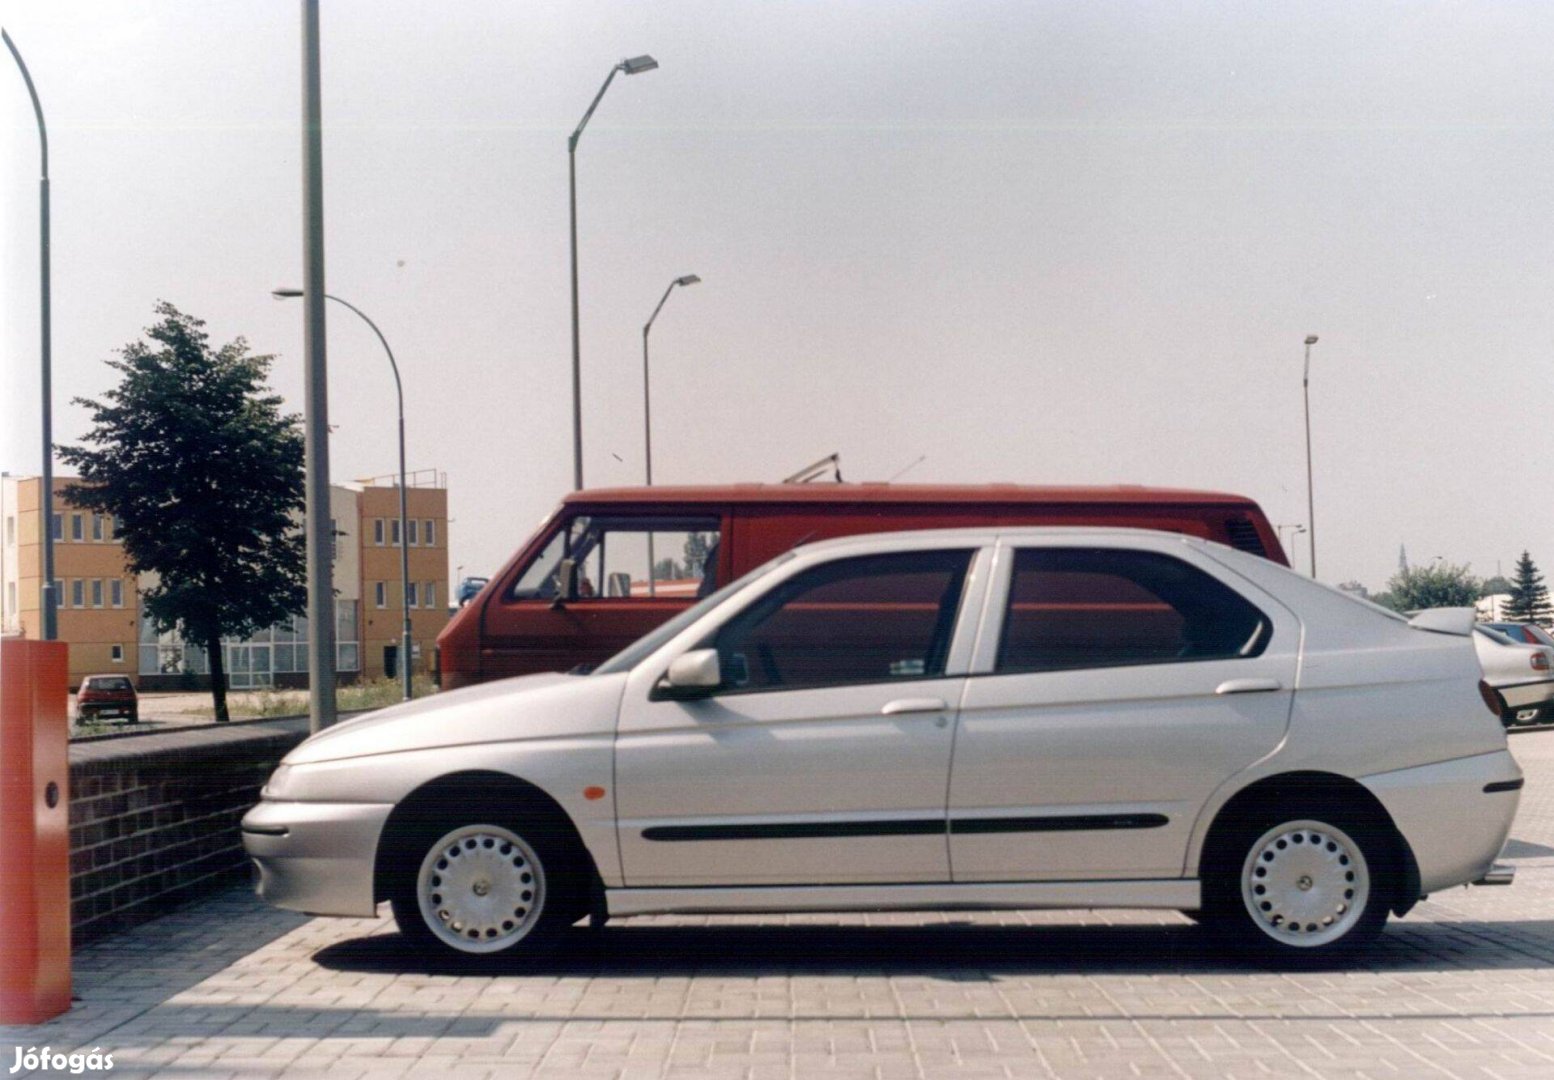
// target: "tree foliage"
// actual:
[[203, 473], [1441, 584], [1529, 600]]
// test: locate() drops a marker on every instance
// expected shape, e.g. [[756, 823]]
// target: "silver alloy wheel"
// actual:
[[481, 889], [1305, 883]]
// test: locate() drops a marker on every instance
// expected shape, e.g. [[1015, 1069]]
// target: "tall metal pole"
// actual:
[[47, 601], [1311, 506], [321, 602], [630, 67]]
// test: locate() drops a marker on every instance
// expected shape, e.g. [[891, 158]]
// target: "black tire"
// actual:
[[513, 898], [1297, 888]]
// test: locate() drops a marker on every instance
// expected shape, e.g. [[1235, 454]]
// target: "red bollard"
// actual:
[[34, 830]]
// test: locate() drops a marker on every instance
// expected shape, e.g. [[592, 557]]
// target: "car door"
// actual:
[[1115, 688], [824, 758]]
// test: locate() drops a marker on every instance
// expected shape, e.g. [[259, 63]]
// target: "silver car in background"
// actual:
[[1521, 674], [962, 719]]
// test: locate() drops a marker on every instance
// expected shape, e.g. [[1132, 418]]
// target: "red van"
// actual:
[[610, 565]]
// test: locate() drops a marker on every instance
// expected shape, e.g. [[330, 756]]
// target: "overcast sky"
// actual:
[[1035, 242]]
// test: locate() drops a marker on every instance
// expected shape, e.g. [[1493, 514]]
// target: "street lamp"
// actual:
[[647, 409], [1295, 530], [1311, 506], [47, 600], [404, 529], [634, 66]]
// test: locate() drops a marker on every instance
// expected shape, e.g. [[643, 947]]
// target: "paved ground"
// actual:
[[1464, 987]]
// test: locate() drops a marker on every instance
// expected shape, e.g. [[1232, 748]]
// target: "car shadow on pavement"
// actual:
[[947, 951]]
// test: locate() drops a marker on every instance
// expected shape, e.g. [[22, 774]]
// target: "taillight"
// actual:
[[1491, 697], [1539, 661]]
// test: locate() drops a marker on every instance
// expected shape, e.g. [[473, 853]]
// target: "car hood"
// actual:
[[528, 707]]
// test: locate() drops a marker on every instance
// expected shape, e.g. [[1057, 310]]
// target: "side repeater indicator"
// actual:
[[593, 793]]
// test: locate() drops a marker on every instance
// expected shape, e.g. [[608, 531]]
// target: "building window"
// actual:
[[429, 594], [118, 654], [414, 536], [429, 530], [59, 526], [394, 531], [410, 596], [110, 533], [377, 531], [97, 592], [77, 527], [77, 593], [116, 592], [10, 531], [10, 597], [59, 592], [97, 527], [380, 593]]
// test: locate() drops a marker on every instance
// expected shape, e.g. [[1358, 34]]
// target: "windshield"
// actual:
[[633, 654]]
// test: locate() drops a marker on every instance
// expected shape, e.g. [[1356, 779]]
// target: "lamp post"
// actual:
[[404, 528], [1295, 530], [1311, 506], [47, 600], [634, 66], [647, 408]]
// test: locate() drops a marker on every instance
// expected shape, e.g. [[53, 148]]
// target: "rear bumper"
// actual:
[[1527, 694], [1455, 814], [317, 858]]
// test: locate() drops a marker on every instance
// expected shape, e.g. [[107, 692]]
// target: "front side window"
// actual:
[[628, 558], [871, 619], [1074, 608]]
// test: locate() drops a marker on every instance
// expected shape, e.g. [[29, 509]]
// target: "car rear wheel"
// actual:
[[481, 889], [1301, 890]]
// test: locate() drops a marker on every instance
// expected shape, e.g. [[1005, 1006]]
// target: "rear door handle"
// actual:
[[1248, 686], [914, 705]]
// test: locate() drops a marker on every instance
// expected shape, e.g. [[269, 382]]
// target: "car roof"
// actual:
[[984, 535], [975, 494]]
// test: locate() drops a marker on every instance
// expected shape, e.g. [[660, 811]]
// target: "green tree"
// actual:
[[1529, 600], [1493, 586], [1441, 584], [203, 473]]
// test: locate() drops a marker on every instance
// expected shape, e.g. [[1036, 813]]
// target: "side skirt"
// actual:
[[1175, 894]]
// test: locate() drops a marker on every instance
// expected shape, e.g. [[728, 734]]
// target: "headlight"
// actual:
[[276, 786]]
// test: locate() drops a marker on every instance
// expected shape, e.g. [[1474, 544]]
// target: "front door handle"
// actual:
[[1248, 686], [914, 705]]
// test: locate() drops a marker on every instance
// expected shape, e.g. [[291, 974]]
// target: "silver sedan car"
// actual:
[[1016, 718]]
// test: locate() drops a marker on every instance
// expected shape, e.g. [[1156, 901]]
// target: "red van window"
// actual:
[[620, 558]]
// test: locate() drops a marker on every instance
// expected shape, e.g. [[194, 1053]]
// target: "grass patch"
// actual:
[[267, 704]]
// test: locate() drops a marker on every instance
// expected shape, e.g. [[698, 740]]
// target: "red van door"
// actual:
[[633, 572]]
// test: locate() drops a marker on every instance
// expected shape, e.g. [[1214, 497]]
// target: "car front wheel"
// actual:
[[480, 889], [1307, 889]]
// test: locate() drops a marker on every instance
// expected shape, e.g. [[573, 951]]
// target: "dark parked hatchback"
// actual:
[[104, 696]]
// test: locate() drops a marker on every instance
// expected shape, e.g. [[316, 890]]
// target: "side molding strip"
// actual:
[[809, 830]]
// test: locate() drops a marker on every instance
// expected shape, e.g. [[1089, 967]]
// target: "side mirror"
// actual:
[[566, 582], [696, 674]]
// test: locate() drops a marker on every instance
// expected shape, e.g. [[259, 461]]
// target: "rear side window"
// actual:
[[114, 684], [871, 619], [1074, 608]]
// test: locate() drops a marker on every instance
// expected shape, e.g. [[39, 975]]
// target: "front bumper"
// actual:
[[1455, 814], [316, 858]]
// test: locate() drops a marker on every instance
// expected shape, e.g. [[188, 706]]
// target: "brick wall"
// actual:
[[154, 818]]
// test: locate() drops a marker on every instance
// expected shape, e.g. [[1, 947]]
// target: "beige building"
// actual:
[[98, 600]]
